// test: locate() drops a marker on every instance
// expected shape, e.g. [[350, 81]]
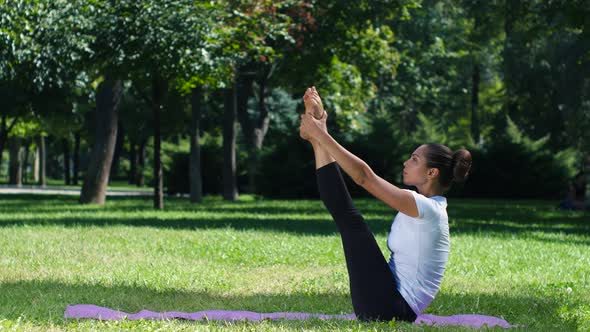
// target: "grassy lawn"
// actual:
[[118, 185], [59, 184], [523, 261]]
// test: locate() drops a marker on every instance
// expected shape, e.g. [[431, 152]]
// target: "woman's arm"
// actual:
[[363, 175], [326, 149], [351, 164]]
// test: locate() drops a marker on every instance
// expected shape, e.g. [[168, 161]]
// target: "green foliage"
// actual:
[[371, 50], [387, 157], [25, 128], [175, 162], [345, 93], [166, 36], [254, 35], [432, 76], [44, 76], [43, 41], [430, 131], [257, 27], [176, 177], [517, 166], [283, 146], [287, 170], [547, 69]]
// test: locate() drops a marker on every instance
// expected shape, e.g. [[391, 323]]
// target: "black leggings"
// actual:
[[372, 284]]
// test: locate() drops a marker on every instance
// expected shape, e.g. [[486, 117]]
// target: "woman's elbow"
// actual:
[[364, 175]]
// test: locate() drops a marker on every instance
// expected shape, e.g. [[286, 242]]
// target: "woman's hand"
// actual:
[[311, 128]]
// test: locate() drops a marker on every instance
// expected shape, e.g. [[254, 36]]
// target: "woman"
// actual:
[[419, 239]]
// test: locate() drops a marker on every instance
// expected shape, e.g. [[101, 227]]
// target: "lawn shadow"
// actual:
[[495, 217], [514, 217], [52, 203], [313, 226], [44, 302]]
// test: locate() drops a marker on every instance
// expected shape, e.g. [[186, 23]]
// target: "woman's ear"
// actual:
[[432, 172]]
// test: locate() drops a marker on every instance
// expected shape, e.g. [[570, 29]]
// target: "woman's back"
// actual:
[[420, 250]]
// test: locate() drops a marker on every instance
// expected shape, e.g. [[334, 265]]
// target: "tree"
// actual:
[[196, 183], [254, 33], [546, 69], [173, 35], [266, 32], [95, 183], [14, 60], [18, 144], [45, 41], [484, 34], [138, 129]]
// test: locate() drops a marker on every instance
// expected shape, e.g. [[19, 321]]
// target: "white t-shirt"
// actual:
[[420, 250]]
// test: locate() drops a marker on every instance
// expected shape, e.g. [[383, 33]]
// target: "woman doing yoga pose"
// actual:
[[419, 239]]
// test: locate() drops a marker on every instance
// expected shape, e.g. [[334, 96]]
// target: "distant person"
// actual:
[[576, 194]]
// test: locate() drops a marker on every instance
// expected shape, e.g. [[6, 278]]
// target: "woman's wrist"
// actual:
[[314, 142], [322, 138]]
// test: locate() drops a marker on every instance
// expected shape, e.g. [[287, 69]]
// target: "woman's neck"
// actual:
[[430, 190]]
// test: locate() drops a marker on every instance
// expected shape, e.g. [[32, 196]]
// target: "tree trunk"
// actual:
[[107, 105], [36, 166], [196, 183], [244, 90], [230, 191], [4, 131], [26, 160], [262, 125], [76, 157], [132, 163], [118, 150], [66, 151], [42, 161], [15, 169], [254, 129], [140, 180], [475, 78], [158, 89]]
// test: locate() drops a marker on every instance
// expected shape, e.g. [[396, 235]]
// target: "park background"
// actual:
[[195, 105]]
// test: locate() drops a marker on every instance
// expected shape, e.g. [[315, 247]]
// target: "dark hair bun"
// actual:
[[461, 165]]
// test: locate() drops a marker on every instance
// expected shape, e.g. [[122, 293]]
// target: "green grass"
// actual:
[[59, 184], [523, 261]]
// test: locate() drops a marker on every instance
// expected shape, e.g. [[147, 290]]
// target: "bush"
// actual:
[[287, 170], [514, 166], [177, 177]]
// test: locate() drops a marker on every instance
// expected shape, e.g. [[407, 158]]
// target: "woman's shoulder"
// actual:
[[429, 207]]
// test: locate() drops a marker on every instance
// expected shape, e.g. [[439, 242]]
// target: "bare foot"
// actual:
[[313, 103]]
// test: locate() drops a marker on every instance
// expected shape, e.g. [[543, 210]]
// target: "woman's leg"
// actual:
[[372, 284]]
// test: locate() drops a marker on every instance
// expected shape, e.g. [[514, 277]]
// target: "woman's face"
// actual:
[[415, 169]]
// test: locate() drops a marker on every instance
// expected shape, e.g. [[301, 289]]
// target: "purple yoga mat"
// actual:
[[102, 313]]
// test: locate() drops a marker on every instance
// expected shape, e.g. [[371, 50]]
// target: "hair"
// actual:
[[452, 166]]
